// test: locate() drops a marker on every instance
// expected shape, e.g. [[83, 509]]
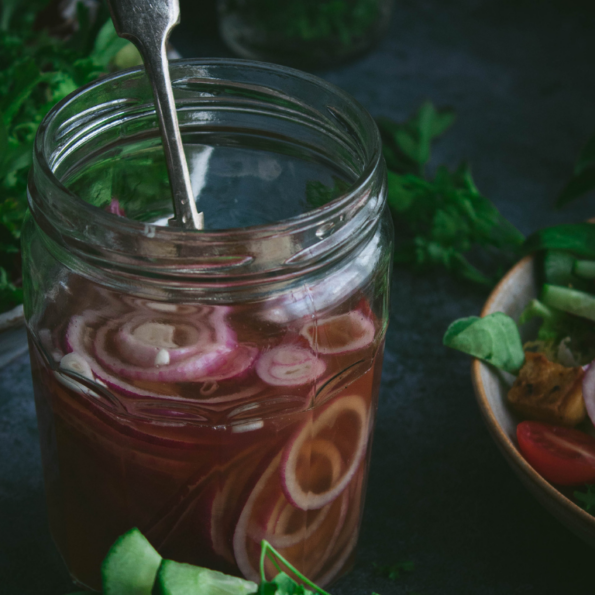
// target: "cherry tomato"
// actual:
[[561, 455]]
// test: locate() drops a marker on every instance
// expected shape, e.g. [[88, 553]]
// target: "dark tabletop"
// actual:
[[521, 76]]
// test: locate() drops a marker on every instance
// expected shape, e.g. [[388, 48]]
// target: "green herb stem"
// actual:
[[273, 555]]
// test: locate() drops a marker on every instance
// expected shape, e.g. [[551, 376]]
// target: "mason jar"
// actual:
[[303, 33], [213, 388]]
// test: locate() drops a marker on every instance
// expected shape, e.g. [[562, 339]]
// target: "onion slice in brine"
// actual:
[[307, 539], [309, 466], [340, 334], [153, 341], [289, 365], [166, 348]]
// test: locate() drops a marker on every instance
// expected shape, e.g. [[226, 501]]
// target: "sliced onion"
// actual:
[[194, 368], [289, 365], [74, 362], [240, 536], [79, 340], [227, 506], [298, 454], [268, 515], [278, 529], [340, 334], [150, 341], [589, 391]]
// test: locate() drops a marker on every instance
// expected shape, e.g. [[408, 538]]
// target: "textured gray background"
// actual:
[[521, 76]]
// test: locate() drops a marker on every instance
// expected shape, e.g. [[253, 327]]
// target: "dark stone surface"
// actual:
[[520, 75]]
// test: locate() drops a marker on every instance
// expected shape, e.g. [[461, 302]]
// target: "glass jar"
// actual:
[[303, 33], [212, 388]]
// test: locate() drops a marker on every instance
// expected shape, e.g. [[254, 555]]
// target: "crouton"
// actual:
[[550, 392]]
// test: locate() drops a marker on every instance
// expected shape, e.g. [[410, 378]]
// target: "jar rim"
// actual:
[[54, 216]]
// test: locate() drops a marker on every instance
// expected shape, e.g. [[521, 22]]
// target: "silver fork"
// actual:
[[148, 24]]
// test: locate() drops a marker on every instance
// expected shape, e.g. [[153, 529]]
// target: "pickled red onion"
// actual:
[[340, 334], [314, 544], [141, 340], [302, 446], [214, 343], [289, 365]]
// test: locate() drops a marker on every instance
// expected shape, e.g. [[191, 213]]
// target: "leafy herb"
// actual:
[[36, 71], [494, 338], [583, 177], [586, 499], [441, 221], [577, 238], [394, 571], [407, 146]]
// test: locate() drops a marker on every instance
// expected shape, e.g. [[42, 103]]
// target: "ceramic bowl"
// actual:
[[13, 335], [510, 296]]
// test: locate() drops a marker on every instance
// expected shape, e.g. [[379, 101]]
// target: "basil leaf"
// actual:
[[494, 339]]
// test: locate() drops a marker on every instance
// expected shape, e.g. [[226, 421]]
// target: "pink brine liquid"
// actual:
[[210, 428]]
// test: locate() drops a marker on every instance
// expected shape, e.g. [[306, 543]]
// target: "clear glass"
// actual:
[[303, 33], [212, 388]]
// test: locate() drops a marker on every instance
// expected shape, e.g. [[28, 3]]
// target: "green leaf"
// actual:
[[578, 238], [407, 145], [26, 77], [494, 338], [416, 136], [3, 145], [7, 8], [107, 45]]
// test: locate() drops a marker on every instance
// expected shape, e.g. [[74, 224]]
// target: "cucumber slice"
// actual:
[[130, 566], [174, 578], [557, 267], [575, 302], [584, 269]]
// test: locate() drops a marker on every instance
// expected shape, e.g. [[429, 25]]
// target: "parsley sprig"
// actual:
[[442, 220]]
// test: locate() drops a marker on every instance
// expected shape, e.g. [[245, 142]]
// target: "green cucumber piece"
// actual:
[[175, 578], [557, 267], [584, 269], [130, 566], [573, 301]]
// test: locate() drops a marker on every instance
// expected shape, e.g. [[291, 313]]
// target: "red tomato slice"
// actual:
[[561, 455]]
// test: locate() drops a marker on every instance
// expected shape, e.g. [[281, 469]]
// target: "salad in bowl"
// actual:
[[533, 375]]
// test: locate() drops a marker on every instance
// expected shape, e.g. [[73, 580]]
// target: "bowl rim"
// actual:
[[500, 436]]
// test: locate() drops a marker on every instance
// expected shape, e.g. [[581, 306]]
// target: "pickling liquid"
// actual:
[[210, 428]]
